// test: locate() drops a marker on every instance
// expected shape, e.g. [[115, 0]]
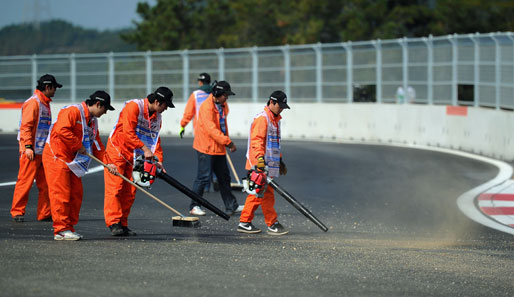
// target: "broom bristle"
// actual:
[[186, 222]]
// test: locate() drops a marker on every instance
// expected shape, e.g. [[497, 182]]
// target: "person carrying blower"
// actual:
[[191, 113], [36, 118], [210, 141], [135, 136], [264, 154], [72, 136], [195, 101]]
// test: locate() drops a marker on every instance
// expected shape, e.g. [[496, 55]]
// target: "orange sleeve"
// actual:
[[64, 129], [258, 133], [189, 111], [128, 119], [210, 126], [29, 120]]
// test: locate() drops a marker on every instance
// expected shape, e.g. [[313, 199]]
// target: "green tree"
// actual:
[[182, 24]]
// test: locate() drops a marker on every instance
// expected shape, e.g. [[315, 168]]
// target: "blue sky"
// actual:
[[91, 14]]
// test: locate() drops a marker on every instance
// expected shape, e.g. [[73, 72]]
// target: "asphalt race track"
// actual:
[[394, 230]]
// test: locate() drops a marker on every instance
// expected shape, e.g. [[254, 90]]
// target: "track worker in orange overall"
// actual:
[[191, 113], [195, 101], [210, 141], [136, 133], [264, 149], [36, 118], [74, 133]]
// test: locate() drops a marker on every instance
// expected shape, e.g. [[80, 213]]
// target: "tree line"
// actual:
[[197, 24], [200, 24]]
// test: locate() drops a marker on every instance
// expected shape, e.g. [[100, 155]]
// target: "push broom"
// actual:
[[178, 221], [234, 186]]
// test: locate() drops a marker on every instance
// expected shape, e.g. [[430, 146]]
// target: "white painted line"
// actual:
[[7, 184], [92, 170]]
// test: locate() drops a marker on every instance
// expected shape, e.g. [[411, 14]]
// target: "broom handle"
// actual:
[[233, 169], [138, 187]]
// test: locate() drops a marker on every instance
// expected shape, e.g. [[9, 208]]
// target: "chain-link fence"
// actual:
[[474, 69]]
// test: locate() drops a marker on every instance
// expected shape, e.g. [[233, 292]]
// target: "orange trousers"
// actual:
[[119, 195], [65, 192], [30, 170], [267, 204]]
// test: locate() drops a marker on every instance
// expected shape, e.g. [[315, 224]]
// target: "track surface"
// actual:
[[395, 230]]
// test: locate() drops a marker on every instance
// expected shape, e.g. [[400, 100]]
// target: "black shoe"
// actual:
[[277, 229], [117, 230], [19, 219], [47, 219], [247, 228], [129, 232]]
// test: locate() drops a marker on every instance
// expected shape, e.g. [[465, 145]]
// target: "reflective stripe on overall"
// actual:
[[80, 164], [200, 97], [272, 155], [43, 126]]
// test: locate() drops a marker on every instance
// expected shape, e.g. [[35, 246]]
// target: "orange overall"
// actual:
[[30, 170], [193, 107], [208, 136], [120, 195], [257, 148], [65, 188]]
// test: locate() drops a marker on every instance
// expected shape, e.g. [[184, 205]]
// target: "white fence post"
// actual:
[[497, 70], [73, 78], [148, 60], [185, 74], [378, 69], [430, 68], [287, 69], [319, 72], [34, 69], [476, 69], [405, 67], [110, 58], [255, 74], [455, 59], [349, 70], [221, 63]]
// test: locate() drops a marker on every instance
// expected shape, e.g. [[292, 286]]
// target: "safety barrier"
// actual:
[[473, 70], [477, 130]]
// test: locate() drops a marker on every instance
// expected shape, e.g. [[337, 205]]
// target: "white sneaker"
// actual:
[[239, 208], [67, 235], [197, 211], [79, 235]]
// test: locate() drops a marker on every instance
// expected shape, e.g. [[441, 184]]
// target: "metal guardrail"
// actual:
[[473, 69]]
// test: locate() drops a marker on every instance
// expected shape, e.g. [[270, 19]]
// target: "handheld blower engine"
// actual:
[[256, 181], [145, 172]]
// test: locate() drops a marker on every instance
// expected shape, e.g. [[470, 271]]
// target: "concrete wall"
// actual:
[[477, 130]]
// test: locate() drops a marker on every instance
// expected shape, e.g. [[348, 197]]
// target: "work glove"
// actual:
[[282, 169], [260, 163], [181, 133]]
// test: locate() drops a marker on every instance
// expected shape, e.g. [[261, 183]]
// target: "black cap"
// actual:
[[222, 87], [164, 94], [48, 79], [204, 77], [102, 96], [279, 97]]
